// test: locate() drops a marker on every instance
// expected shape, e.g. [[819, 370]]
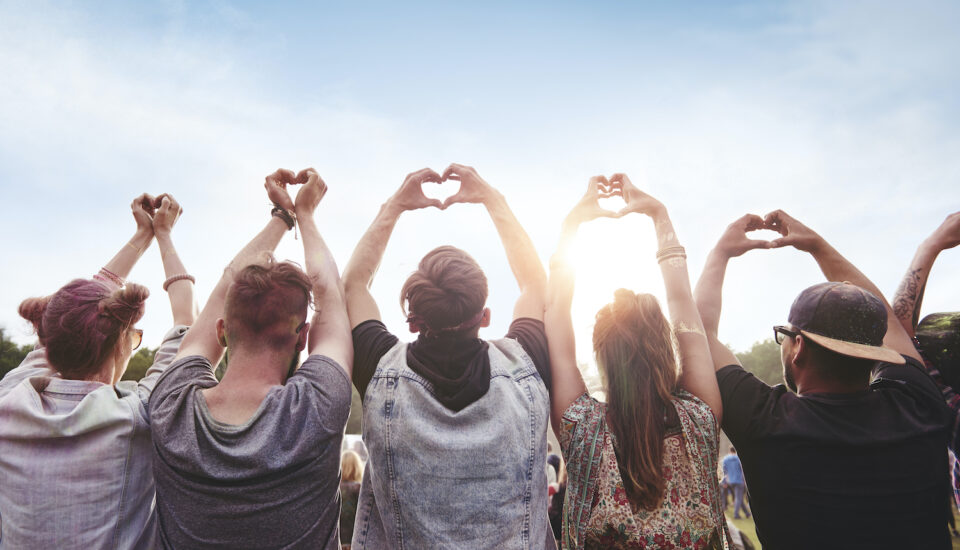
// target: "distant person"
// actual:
[[855, 457], [254, 460], [733, 475], [642, 467], [351, 473], [455, 426], [75, 461]]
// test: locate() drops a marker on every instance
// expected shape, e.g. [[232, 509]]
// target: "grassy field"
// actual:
[[750, 530]]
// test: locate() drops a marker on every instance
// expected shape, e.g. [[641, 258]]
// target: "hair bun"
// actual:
[[32, 310], [125, 305]]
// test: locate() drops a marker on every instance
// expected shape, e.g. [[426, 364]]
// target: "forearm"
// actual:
[[123, 261], [321, 267], [521, 254], [708, 294], [673, 268], [909, 295], [360, 270], [183, 303]]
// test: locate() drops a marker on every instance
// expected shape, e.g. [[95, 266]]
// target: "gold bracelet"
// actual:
[[135, 247]]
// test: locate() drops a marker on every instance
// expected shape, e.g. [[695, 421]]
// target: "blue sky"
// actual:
[[845, 114]]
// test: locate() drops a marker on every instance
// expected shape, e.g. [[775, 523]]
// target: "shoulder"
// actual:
[[186, 372], [320, 368], [695, 411]]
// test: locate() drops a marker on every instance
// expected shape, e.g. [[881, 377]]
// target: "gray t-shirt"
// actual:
[[269, 483]]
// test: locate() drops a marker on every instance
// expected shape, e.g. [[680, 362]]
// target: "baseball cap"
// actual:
[[844, 318]]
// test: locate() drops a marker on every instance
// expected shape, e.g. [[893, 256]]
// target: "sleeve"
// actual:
[[34, 364], [175, 381], [371, 341], [532, 336], [912, 373], [746, 399], [161, 360], [329, 390]]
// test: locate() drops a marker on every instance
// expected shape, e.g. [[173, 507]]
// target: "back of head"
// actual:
[[265, 305], [939, 337], [634, 346], [351, 468], [447, 289], [82, 323]]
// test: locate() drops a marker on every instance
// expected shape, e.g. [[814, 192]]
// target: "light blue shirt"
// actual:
[[732, 469]]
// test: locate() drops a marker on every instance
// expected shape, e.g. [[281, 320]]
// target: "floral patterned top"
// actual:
[[597, 513]]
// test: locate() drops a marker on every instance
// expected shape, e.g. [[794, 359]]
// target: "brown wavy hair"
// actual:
[[447, 288], [634, 347]]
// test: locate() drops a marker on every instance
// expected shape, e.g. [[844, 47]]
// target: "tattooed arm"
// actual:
[[909, 296]]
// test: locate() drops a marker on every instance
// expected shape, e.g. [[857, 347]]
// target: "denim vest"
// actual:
[[443, 479]]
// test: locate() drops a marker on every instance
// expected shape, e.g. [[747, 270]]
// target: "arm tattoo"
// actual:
[[906, 303]]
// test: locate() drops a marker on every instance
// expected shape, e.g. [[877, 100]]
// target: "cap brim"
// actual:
[[861, 351]]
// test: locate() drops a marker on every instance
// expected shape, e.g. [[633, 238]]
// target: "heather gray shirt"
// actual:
[[269, 483]]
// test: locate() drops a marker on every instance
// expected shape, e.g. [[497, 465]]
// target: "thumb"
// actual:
[[780, 243], [437, 204], [450, 200]]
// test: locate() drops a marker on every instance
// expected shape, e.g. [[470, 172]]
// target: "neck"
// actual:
[[818, 385], [106, 374], [266, 368]]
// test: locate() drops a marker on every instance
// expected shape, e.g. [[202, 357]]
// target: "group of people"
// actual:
[[851, 453]]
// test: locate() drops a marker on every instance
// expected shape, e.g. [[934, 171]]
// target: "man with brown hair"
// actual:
[[253, 461], [455, 426]]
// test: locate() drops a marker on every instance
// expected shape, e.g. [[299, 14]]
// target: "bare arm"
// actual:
[[909, 295], [330, 328], [360, 270], [837, 268], [696, 364], [709, 292], [183, 301], [202, 337], [567, 381], [129, 254], [521, 254]]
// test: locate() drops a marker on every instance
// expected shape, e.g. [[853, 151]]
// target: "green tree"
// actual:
[[763, 360], [11, 355], [355, 420], [139, 363]]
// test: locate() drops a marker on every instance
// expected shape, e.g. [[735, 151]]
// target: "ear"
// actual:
[[801, 351], [302, 337], [221, 333], [485, 320]]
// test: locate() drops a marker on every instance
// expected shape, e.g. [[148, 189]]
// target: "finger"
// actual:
[[751, 222], [780, 243], [758, 243], [431, 175], [303, 176], [436, 204], [453, 178], [450, 200], [619, 178], [287, 177], [448, 172]]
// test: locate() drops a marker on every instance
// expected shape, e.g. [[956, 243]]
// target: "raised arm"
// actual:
[[330, 328], [909, 296], [362, 267], [178, 284], [709, 290], [567, 381], [521, 254], [838, 269], [696, 365], [202, 337], [118, 268]]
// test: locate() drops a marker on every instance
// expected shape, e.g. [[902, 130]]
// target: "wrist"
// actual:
[[142, 238], [392, 208], [492, 198], [931, 246], [164, 239]]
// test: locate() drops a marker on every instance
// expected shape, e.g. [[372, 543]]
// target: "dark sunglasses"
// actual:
[[136, 339], [779, 331]]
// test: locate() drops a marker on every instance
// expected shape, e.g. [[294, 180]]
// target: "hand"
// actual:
[[794, 233], [410, 195], [168, 212], [473, 188], [588, 208], [144, 208], [637, 200], [734, 241], [948, 234], [276, 186], [310, 194]]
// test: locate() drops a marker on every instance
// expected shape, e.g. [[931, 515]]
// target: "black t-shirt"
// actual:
[[459, 369], [863, 470]]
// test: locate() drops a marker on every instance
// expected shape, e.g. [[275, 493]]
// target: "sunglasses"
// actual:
[[779, 331], [136, 338]]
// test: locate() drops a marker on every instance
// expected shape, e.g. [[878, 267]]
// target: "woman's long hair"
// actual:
[[634, 346]]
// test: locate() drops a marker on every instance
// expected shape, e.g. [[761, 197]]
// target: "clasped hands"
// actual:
[[155, 215], [308, 197]]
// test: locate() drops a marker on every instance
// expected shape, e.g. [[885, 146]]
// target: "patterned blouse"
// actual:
[[597, 513]]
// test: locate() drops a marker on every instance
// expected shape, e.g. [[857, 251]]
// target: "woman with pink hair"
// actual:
[[75, 440]]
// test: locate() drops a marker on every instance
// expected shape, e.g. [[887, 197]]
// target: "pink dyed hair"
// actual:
[[81, 324]]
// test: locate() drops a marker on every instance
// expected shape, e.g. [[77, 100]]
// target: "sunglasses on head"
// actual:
[[136, 338]]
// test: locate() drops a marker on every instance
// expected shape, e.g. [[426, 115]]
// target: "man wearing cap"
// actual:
[[855, 457]]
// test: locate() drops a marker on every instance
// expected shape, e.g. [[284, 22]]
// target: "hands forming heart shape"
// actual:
[[309, 195], [158, 213], [734, 241], [617, 185], [473, 188]]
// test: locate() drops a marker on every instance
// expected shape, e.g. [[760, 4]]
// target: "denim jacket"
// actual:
[[443, 479]]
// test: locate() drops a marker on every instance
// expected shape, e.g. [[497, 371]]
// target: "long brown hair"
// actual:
[[634, 347]]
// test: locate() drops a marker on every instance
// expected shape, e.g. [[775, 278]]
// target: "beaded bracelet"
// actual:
[[671, 251], [285, 215], [181, 277]]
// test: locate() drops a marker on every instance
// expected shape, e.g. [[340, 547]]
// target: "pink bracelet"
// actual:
[[181, 277], [110, 276]]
